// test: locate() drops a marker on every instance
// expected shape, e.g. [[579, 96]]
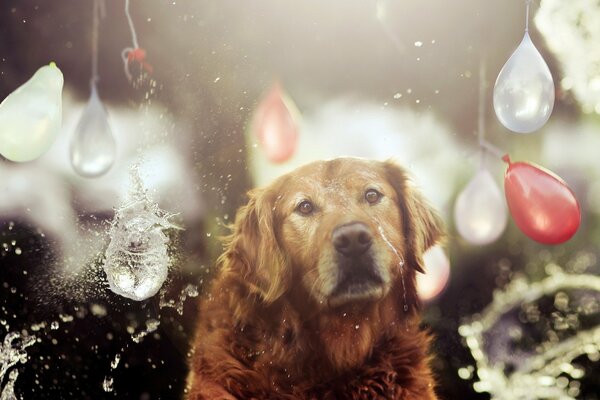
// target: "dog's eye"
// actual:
[[305, 207], [372, 196]]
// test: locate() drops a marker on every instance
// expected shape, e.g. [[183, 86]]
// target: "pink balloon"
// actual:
[[541, 203], [275, 126]]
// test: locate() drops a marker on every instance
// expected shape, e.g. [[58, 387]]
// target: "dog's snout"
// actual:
[[352, 239]]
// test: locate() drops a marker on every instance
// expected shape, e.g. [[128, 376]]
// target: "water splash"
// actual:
[[115, 362], [544, 371], [107, 384], [189, 291], [400, 262], [151, 326], [137, 259], [8, 390], [12, 352]]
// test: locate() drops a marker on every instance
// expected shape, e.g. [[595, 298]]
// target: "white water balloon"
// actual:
[[480, 211], [437, 273], [93, 149], [31, 116], [524, 90]]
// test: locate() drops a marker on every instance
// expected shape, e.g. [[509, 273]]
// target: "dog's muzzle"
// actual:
[[358, 275]]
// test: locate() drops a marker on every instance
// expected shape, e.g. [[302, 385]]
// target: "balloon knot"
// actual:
[[506, 158], [137, 54]]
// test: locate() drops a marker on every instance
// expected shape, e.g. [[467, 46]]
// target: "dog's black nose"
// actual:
[[352, 239]]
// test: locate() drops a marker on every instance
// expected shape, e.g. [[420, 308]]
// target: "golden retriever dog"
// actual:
[[316, 297]]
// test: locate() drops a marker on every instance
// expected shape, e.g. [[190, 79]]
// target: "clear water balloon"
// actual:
[[480, 212], [524, 90], [31, 116], [93, 149]]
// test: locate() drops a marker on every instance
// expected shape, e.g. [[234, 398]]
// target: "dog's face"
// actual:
[[339, 226], [345, 230]]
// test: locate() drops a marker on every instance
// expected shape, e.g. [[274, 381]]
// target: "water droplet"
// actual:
[[115, 362], [98, 310], [480, 211], [151, 326], [524, 90], [65, 317], [418, 43], [107, 384], [93, 147], [400, 264]]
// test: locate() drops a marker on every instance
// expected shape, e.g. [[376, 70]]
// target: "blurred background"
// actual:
[[379, 79]]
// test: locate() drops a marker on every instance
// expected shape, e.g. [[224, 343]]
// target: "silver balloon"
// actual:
[[480, 210], [524, 90]]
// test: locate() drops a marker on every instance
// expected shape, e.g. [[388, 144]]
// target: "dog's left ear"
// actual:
[[422, 226]]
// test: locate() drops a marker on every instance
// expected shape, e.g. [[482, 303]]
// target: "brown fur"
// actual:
[[266, 328]]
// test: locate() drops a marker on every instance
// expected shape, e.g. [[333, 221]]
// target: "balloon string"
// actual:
[[481, 108], [484, 145], [125, 54], [527, 4], [490, 148], [380, 14], [99, 12], [131, 27]]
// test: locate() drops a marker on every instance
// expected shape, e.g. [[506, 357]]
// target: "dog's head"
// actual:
[[343, 232]]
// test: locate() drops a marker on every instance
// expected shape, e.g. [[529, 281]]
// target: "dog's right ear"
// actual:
[[422, 225], [252, 250]]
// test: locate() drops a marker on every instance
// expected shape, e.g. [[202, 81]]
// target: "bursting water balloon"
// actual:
[[137, 258], [275, 126], [541, 203], [524, 90], [480, 210], [93, 149], [31, 116]]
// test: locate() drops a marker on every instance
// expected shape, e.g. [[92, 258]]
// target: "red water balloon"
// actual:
[[541, 203], [275, 125]]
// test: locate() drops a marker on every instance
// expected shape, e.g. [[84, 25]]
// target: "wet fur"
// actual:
[[262, 333]]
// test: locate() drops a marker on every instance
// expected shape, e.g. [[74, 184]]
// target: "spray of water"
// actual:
[[188, 292], [547, 371], [400, 262], [12, 351]]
